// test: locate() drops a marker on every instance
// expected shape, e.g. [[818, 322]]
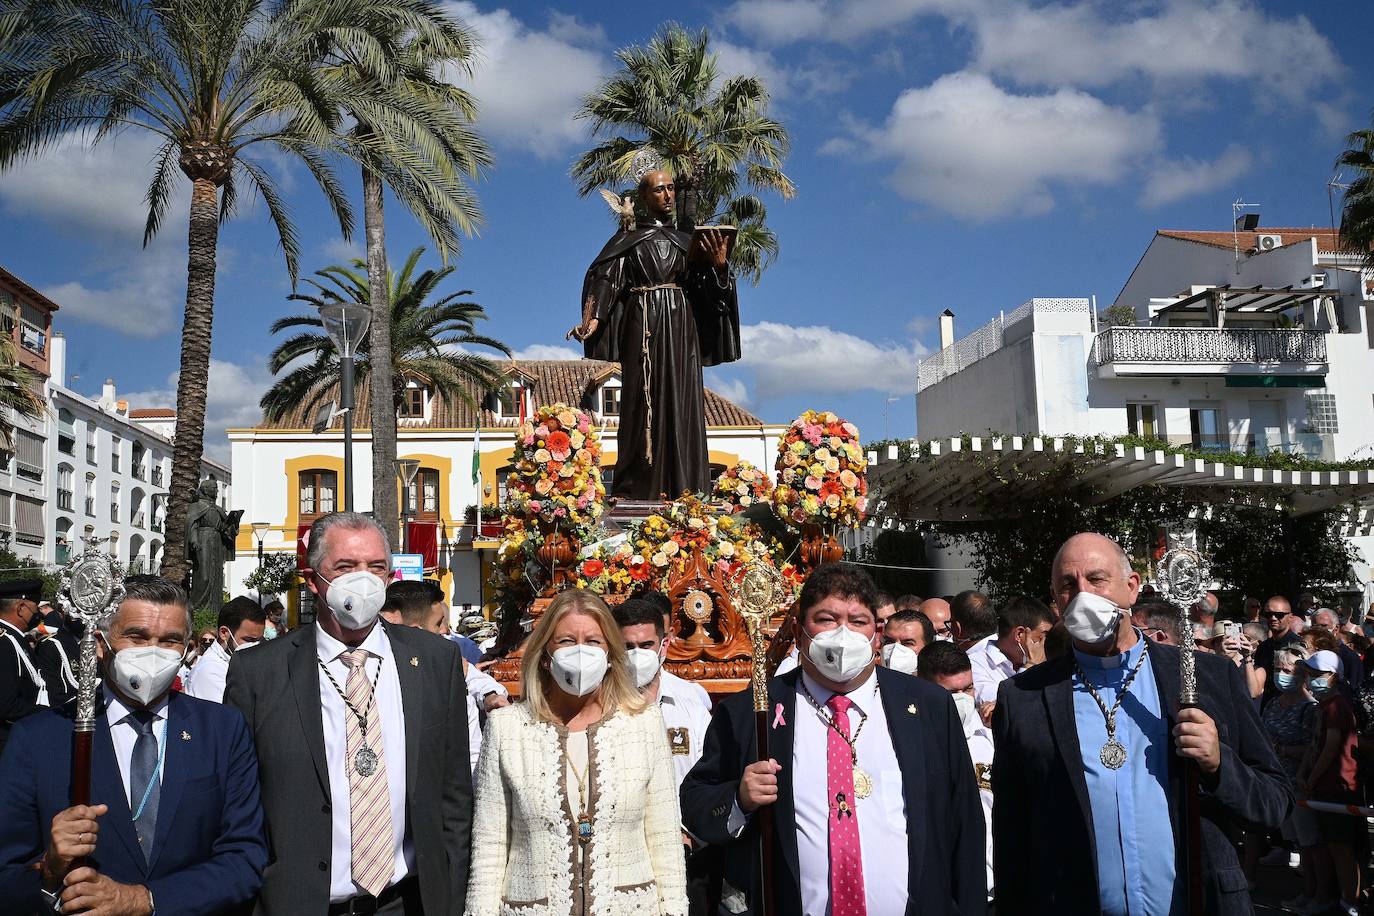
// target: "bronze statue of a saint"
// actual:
[[663, 307], [210, 536]]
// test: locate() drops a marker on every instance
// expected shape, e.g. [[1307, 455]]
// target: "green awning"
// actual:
[[1275, 381]]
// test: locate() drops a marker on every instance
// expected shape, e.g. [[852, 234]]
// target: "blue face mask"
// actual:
[[1285, 681], [1319, 685]]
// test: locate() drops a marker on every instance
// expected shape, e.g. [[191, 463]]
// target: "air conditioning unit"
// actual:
[[1268, 242]]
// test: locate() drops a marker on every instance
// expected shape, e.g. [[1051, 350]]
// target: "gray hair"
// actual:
[[154, 590], [352, 521]]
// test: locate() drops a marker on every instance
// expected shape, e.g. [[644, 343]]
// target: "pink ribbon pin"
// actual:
[[777, 716]]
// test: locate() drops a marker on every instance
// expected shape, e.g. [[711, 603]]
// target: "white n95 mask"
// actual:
[[145, 672], [898, 657], [968, 713], [578, 670], [355, 598], [840, 654], [1091, 618], [644, 665]]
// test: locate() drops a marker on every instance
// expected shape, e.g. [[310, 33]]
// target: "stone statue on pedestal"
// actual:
[[210, 536]]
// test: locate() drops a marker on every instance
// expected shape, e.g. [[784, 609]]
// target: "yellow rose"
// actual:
[[727, 549], [660, 559], [670, 548], [542, 456], [832, 465]]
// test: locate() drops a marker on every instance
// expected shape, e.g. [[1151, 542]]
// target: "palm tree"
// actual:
[[1357, 210], [430, 342], [441, 150], [713, 135], [18, 390], [218, 81]]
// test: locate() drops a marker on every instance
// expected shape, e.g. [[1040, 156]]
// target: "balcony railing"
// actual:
[[1210, 345], [114, 512]]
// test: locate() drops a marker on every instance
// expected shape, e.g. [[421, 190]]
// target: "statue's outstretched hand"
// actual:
[[715, 249], [584, 330]]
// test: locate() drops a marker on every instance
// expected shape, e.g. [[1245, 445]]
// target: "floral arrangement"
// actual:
[[654, 549], [822, 472], [743, 486], [557, 469]]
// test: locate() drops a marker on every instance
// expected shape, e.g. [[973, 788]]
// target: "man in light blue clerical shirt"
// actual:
[[1091, 748]]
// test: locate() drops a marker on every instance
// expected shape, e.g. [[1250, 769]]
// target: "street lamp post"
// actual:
[[260, 532], [346, 324], [406, 469]]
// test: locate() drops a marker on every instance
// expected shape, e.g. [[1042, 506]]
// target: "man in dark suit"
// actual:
[[875, 807], [362, 741], [174, 824], [1091, 750]]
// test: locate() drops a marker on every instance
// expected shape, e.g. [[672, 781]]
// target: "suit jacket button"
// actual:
[[324, 866]]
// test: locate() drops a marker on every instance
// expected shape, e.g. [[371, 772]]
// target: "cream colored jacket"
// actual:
[[524, 856]]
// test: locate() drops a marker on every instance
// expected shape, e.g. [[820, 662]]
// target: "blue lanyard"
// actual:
[[157, 773]]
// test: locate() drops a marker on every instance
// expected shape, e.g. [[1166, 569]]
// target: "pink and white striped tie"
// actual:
[[846, 857], [369, 801]]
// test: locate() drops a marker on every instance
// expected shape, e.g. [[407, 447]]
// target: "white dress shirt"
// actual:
[[882, 816], [686, 721], [124, 732], [990, 668], [480, 684], [208, 673], [387, 698]]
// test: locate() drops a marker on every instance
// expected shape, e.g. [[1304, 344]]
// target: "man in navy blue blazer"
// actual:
[[174, 825]]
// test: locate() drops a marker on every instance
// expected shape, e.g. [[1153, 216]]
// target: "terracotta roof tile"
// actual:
[[554, 381], [152, 413], [1327, 240]]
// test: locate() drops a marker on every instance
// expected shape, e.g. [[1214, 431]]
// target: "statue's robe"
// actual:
[[206, 550], [663, 319]]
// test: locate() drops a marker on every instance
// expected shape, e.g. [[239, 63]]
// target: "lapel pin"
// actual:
[[185, 736], [913, 710], [414, 661], [777, 716]]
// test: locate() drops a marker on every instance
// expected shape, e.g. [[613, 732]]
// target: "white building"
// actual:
[[1246, 341], [286, 476], [110, 472]]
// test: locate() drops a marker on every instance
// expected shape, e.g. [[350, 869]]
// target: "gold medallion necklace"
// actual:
[[863, 783]]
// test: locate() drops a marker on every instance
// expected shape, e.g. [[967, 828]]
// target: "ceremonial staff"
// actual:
[[759, 592], [92, 586], [1181, 576]]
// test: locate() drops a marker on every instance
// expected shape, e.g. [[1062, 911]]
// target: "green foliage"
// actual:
[[13, 566], [19, 390], [276, 575], [1117, 316], [713, 134], [894, 548], [1357, 207], [430, 341], [204, 619]]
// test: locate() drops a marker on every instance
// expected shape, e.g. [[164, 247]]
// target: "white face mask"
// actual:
[[1091, 619], [899, 658], [144, 673], [968, 713], [644, 665], [355, 598], [578, 670], [841, 654]]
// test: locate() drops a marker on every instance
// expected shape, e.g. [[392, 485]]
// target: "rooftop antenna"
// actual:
[[1251, 221], [1332, 185]]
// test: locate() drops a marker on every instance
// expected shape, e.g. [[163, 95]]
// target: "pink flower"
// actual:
[[541, 431], [534, 505], [528, 441], [813, 483], [813, 434], [852, 430]]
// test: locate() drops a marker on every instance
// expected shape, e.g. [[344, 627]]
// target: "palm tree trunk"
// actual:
[[380, 371], [193, 382]]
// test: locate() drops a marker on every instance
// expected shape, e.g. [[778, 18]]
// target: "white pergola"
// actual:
[[960, 479]]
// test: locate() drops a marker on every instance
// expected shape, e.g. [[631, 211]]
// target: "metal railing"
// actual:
[[1209, 345], [988, 339]]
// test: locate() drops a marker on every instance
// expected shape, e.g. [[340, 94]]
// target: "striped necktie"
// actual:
[[373, 841]]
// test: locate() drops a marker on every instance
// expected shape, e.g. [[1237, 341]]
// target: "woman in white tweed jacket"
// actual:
[[577, 809]]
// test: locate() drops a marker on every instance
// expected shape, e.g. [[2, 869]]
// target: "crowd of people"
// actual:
[[943, 755]]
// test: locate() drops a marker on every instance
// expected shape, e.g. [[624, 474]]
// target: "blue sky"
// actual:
[[962, 154]]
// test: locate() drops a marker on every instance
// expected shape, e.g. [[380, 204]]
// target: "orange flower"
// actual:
[[593, 568], [558, 441]]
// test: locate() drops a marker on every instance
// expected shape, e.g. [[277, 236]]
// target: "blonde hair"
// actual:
[[617, 690]]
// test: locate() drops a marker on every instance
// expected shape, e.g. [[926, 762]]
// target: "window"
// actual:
[[424, 494], [63, 543], [503, 477], [114, 502], [6, 460], [317, 489], [116, 444], [511, 400], [1321, 412], [413, 403], [136, 462], [29, 452], [1140, 421], [66, 432], [33, 331], [90, 444], [9, 312], [112, 547], [610, 402], [155, 460], [136, 516], [1206, 424], [90, 495], [64, 487], [6, 513], [28, 520], [156, 512]]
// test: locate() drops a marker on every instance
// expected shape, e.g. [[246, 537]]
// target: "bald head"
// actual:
[[937, 609], [1095, 563], [658, 193]]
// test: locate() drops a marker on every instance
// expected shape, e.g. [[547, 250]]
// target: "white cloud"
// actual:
[[788, 360], [732, 389], [1176, 180], [966, 146], [232, 401], [340, 251], [785, 21], [142, 295], [546, 351], [529, 83]]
